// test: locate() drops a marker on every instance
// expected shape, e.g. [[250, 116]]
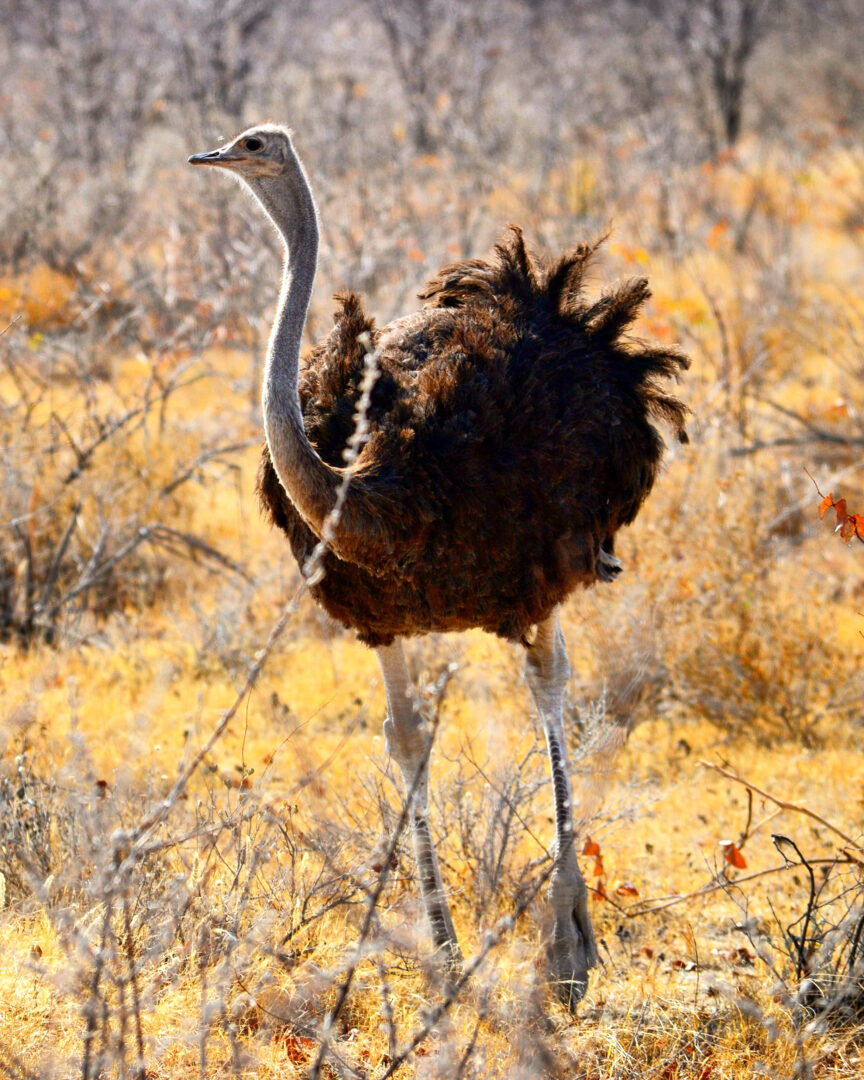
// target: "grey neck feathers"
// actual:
[[308, 481], [290, 206]]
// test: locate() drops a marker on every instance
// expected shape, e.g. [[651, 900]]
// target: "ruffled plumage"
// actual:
[[513, 433]]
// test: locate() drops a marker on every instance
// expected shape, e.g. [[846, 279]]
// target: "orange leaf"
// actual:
[[626, 888], [826, 504], [733, 856], [852, 526], [598, 866], [840, 509], [591, 847], [297, 1048]]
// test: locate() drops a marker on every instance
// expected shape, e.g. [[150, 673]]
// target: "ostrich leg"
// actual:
[[408, 741], [572, 949]]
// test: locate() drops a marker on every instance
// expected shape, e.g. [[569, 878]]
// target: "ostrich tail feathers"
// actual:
[[616, 311], [565, 280], [512, 272], [605, 323], [516, 264]]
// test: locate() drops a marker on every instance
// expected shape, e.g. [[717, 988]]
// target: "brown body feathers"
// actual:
[[515, 428]]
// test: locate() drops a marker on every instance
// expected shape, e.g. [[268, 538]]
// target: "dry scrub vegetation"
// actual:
[[201, 866]]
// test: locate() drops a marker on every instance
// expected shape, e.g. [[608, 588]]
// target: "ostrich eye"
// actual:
[[253, 145]]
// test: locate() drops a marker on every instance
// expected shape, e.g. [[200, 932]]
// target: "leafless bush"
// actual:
[[35, 829], [488, 810], [816, 958], [95, 497], [821, 950], [768, 687]]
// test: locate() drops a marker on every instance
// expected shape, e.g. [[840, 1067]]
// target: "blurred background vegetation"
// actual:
[[719, 142]]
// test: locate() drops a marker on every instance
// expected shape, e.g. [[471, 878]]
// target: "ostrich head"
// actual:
[[257, 152]]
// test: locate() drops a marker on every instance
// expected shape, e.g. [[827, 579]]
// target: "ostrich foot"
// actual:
[[572, 949], [448, 954]]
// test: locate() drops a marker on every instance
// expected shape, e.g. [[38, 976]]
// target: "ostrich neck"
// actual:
[[309, 482]]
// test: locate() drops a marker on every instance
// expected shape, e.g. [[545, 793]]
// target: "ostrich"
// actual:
[[511, 436]]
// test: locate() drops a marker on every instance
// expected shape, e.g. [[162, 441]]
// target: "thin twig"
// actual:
[[140, 1070], [782, 803], [56, 562], [162, 533], [799, 940], [648, 907], [203, 458]]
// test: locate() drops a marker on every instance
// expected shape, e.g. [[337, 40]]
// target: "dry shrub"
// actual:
[[36, 829], [130, 927], [763, 668], [220, 936], [486, 811], [98, 493], [747, 642]]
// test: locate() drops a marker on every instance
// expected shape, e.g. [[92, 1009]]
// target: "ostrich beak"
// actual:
[[223, 157]]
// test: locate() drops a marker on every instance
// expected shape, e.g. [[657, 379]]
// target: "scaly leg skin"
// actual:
[[572, 948], [408, 742]]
